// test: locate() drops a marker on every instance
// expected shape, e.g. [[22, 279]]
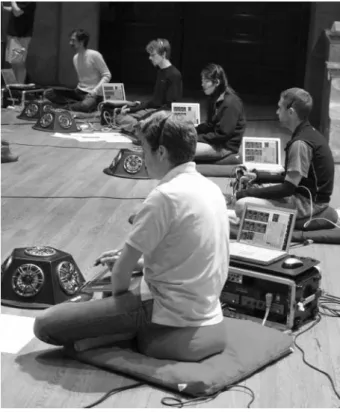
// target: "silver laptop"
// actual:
[[264, 235], [189, 111], [113, 92], [262, 153]]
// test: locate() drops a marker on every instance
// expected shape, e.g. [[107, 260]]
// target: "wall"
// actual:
[[83, 15], [323, 14], [256, 43], [319, 51], [42, 60]]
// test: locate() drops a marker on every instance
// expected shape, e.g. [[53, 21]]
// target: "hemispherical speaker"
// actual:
[[128, 164], [56, 120], [34, 109], [39, 277]]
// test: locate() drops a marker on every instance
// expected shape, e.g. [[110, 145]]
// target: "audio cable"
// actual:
[[269, 300], [329, 305], [311, 219], [318, 319]]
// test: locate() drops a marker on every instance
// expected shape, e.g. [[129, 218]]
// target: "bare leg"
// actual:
[[20, 72]]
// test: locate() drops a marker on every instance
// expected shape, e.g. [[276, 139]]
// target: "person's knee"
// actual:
[[42, 325], [85, 106]]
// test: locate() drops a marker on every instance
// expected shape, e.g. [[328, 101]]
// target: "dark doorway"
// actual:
[[262, 46]]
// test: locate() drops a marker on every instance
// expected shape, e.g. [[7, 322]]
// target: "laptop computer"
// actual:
[[113, 92], [262, 153], [189, 111], [264, 235]]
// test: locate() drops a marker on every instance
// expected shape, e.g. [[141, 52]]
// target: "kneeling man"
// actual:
[[182, 233], [308, 180]]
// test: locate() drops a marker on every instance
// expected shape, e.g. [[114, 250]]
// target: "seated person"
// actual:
[[168, 88], [221, 135], [182, 231], [92, 73], [309, 165]]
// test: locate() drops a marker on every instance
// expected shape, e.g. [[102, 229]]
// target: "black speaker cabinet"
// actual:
[[128, 164], [38, 277], [57, 121], [34, 109]]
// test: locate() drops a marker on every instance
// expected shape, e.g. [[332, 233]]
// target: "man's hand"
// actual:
[[108, 258], [124, 110], [92, 93], [16, 10]]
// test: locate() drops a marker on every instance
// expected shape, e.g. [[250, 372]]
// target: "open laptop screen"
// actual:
[[188, 111], [267, 227], [262, 150], [113, 91]]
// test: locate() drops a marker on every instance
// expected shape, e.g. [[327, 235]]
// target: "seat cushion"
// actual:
[[238, 361], [329, 213]]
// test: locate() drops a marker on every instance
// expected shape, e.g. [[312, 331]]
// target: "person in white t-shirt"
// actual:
[[92, 73], [180, 237]]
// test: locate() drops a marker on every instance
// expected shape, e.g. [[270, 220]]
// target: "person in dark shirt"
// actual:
[[221, 135], [308, 181], [19, 34], [168, 88]]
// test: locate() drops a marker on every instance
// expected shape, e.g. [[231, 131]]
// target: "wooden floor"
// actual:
[[54, 196]]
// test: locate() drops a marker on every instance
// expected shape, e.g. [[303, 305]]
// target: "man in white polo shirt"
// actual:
[[92, 73], [182, 231]]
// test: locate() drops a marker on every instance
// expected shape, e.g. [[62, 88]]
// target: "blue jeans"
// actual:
[[73, 99]]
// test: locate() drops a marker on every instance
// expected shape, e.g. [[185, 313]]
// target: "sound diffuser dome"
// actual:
[[38, 277], [128, 164], [57, 121]]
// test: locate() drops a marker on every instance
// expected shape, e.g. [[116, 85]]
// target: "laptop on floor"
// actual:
[[190, 111], [264, 234], [262, 153]]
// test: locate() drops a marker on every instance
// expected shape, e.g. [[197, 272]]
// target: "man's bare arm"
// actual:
[[15, 9]]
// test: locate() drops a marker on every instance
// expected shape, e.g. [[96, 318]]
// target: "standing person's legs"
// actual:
[[16, 54], [113, 318]]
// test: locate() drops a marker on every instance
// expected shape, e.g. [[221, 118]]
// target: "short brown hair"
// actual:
[[160, 46], [177, 135], [300, 100]]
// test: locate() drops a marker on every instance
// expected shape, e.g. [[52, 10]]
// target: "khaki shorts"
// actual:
[[16, 49]]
